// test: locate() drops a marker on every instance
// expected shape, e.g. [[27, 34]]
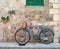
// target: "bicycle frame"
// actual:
[[39, 28]]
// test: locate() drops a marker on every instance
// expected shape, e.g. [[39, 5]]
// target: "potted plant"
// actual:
[[5, 19], [11, 12]]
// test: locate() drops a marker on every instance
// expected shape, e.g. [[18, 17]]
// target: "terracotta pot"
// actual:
[[5, 21]]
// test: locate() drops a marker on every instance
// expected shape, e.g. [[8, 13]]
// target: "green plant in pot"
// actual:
[[11, 12], [5, 19]]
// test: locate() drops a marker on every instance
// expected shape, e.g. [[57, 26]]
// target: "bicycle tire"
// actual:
[[44, 31], [24, 31]]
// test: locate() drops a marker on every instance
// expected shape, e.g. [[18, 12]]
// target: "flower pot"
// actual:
[[5, 21]]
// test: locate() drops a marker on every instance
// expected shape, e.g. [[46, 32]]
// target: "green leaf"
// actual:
[[11, 12], [5, 18]]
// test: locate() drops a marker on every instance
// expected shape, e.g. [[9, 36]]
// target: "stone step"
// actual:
[[30, 45], [25, 48]]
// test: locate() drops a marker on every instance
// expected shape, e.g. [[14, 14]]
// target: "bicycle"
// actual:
[[44, 35]]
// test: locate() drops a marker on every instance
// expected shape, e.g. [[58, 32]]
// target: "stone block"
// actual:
[[56, 29], [54, 11], [56, 40], [54, 1], [50, 5], [24, 2], [56, 5], [53, 24], [59, 24], [56, 17], [56, 34]]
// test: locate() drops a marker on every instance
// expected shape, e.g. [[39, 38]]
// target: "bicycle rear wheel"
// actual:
[[22, 36], [46, 36]]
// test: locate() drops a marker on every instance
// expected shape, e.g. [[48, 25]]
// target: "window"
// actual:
[[34, 2]]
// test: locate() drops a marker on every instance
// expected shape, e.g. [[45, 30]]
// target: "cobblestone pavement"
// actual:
[[30, 46]]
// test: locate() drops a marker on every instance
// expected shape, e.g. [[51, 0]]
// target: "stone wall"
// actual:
[[55, 11], [47, 14]]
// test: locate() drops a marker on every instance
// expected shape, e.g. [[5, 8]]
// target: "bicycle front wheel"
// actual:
[[22, 36]]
